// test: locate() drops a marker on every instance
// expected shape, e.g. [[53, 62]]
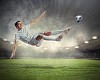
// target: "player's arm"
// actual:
[[14, 48], [37, 19]]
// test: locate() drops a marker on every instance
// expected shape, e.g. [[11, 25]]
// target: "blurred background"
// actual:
[[83, 41]]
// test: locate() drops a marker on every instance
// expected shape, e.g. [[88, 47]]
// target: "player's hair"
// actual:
[[16, 23]]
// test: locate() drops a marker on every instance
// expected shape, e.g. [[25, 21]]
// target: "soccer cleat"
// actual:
[[66, 30], [59, 38]]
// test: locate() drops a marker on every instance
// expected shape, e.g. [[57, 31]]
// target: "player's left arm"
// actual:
[[37, 19]]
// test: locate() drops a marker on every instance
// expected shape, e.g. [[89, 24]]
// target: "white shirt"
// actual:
[[24, 34]]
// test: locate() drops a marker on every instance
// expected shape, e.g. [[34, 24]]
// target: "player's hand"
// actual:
[[12, 56]]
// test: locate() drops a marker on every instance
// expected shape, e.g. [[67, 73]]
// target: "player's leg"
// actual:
[[39, 43], [53, 32], [36, 41], [40, 39], [49, 38], [56, 32]]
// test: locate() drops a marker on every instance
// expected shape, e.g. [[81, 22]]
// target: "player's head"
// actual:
[[18, 25]]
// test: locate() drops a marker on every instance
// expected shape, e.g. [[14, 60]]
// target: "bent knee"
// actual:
[[47, 33], [39, 37]]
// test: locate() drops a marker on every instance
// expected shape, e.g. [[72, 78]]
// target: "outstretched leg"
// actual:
[[49, 38], [56, 32], [46, 36], [39, 39]]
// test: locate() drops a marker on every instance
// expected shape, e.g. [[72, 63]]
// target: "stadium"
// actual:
[[75, 57], [88, 49]]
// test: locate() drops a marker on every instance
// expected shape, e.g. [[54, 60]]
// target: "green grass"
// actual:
[[49, 69]]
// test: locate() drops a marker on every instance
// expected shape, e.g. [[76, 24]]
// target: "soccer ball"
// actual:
[[78, 18]]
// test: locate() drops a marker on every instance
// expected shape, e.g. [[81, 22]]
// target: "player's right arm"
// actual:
[[14, 46], [14, 49]]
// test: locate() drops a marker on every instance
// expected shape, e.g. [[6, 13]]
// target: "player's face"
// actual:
[[19, 25]]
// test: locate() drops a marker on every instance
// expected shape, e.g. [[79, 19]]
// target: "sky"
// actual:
[[60, 15]]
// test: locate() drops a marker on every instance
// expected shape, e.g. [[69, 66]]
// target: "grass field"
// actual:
[[49, 69]]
